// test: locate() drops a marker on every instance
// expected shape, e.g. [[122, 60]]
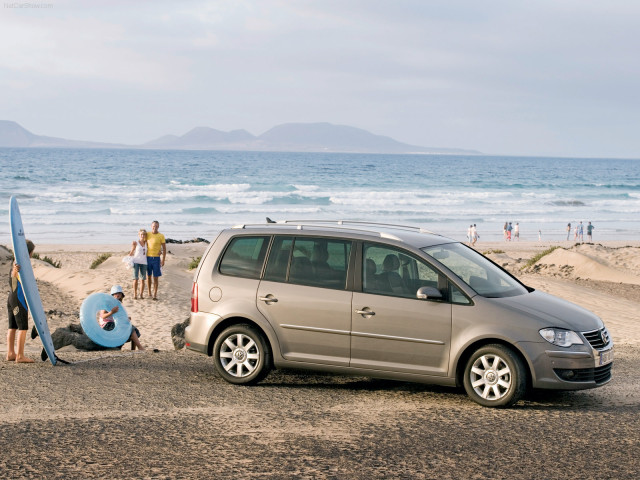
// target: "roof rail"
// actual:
[[342, 225], [355, 222]]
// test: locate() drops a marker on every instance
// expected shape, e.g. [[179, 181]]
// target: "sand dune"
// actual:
[[595, 263]]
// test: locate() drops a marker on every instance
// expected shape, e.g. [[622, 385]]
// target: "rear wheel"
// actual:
[[495, 376], [242, 355]]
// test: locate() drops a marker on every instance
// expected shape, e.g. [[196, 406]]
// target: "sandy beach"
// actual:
[[170, 416]]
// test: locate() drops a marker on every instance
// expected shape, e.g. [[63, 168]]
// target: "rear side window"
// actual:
[[318, 262], [244, 257]]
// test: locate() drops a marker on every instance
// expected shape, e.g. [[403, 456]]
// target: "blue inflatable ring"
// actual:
[[89, 321]]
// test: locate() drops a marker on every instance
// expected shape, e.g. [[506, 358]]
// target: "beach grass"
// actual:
[[49, 260], [195, 261], [488, 252], [535, 258], [99, 259]]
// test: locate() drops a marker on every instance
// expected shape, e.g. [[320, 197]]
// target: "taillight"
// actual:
[[194, 298]]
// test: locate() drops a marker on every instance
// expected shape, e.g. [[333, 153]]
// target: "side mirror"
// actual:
[[428, 293]]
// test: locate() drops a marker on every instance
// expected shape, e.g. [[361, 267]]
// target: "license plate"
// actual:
[[605, 357]]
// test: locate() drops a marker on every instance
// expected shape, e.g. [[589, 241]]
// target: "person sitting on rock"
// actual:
[[74, 335], [106, 321]]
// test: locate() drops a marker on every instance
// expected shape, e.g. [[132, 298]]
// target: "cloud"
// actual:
[[484, 75], [86, 49]]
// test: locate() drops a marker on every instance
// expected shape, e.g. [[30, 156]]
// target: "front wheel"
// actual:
[[241, 355], [495, 376]]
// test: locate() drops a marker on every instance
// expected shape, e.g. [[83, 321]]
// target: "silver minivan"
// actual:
[[386, 301]]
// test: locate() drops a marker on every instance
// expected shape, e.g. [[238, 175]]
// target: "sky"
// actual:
[[510, 77]]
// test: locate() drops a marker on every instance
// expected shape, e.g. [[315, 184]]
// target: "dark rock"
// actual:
[[194, 240], [177, 334], [73, 334]]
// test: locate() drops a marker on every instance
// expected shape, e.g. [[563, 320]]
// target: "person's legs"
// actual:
[[135, 289], [11, 348], [20, 357], [135, 341], [143, 273], [155, 288]]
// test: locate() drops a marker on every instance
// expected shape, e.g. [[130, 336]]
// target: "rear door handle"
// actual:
[[366, 312], [269, 299]]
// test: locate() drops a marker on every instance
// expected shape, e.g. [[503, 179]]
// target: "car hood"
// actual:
[[552, 311]]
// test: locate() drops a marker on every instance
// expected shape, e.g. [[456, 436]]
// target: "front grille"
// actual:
[[598, 338], [599, 375]]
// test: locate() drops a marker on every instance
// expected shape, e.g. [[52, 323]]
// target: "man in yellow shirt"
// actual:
[[156, 246]]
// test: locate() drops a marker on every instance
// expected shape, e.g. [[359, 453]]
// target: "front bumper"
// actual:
[[569, 369]]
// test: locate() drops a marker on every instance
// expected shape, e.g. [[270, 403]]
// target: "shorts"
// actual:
[[18, 317], [153, 267], [139, 268]]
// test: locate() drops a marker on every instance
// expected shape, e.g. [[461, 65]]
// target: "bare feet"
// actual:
[[11, 357], [23, 359]]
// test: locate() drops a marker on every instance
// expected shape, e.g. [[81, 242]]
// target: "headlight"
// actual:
[[561, 338]]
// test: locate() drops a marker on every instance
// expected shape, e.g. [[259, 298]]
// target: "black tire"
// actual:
[[495, 376], [242, 355]]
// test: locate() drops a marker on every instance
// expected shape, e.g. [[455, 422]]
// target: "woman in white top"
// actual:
[[139, 254]]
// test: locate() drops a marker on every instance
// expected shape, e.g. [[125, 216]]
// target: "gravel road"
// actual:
[[168, 415]]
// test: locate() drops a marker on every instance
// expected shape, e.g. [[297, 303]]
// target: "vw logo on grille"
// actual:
[[603, 336]]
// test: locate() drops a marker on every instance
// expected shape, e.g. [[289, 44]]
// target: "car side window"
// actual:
[[391, 271], [278, 262], [319, 262], [244, 257]]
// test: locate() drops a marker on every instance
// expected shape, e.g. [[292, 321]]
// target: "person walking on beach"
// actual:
[[590, 232], [469, 234], [139, 256], [18, 313], [509, 229], [474, 234], [575, 233], [580, 232], [504, 231], [516, 232], [156, 246], [568, 230]]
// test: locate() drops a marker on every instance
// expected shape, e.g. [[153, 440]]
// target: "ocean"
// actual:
[[104, 196]]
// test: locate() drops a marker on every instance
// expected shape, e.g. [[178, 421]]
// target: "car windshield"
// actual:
[[475, 270]]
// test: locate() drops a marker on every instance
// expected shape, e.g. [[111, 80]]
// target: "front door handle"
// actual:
[[269, 299], [366, 312]]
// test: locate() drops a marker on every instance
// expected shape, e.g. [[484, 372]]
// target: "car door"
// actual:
[[303, 295], [392, 330]]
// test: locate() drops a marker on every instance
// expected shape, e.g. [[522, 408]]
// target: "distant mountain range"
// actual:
[[289, 137]]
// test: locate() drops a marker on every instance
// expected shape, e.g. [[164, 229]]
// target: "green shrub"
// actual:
[[537, 257], [194, 262], [99, 259], [488, 252], [50, 261]]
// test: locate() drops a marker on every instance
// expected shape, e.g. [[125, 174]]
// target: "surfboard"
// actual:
[[28, 281]]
